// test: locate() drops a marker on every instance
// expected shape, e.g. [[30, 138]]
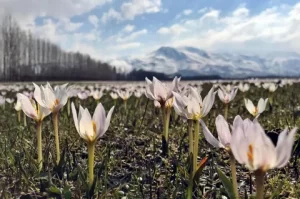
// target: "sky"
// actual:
[[113, 29]]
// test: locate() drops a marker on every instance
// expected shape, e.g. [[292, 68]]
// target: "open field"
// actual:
[[128, 157]]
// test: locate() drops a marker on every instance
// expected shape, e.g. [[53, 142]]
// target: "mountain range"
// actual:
[[190, 61]]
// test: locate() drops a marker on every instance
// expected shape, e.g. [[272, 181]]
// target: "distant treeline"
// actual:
[[25, 57]]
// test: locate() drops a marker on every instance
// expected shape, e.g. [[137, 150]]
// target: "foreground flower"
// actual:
[[91, 129], [253, 148], [256, 110], [163, 98], [223, 141], [54, 100], [38, 113]]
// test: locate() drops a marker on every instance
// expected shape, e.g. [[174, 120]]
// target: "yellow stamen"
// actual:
[[250, 154]]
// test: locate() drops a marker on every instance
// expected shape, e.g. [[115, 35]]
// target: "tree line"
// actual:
[[25, 57]]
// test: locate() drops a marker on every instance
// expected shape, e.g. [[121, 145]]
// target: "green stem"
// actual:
[[233, 175], [226, 111], [165, 137], [191, 137], [125, 105], [91, 158], [39, 144], [69, 107], [191, 148], [25, 119], [55, 124], [19, 116], [196, 141], [259, 181]]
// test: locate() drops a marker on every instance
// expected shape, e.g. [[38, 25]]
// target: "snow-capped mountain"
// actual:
[[190, 61]]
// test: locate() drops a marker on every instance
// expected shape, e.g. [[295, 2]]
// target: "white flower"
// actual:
[[90, 129], [192, 106], [33, 109], [256, 110], [54, 100], [252, 147], [227, 94]]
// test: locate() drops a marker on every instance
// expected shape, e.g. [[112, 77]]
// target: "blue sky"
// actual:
[[110, 29]]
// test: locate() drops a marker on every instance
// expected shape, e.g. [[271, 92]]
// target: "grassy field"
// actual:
[[128, 160]]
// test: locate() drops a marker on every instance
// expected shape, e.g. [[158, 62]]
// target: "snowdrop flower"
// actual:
[[224, 135], [227, 94], [244, 87], [160, 92], [91, 128], [53, 99], [192, 107], [256, 110], [252, 147], [32, 109]]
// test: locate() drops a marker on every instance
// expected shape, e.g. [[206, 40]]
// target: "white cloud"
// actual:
[[93, 19], [187, 12], [131, 9], [175, 29], [129, 28], [273, 28], [132, 36], [122, 65], [202, 10], [112, 14], [126, 46]]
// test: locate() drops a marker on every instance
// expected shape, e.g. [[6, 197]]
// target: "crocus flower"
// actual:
[[192, 106], [10, 100], [82, 95], [90, 129], [273, 87], [53, 99], [256, 110], [227, 94], [114, 95], [252, 147], [18, 105], [124, 94], [97, 94], [224, 135], [244, 87], [160, 92], [32, 109]]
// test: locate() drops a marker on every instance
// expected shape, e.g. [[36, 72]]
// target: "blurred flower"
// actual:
[[252, 147], [90, 129], [124, 94], [244, 87], [33, 109], [256, 110], [114, 95], [97, 94], [18, 105], [10, 100], [192, 106], [54, 100], [227, 94]]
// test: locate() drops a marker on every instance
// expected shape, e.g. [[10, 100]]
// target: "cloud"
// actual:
[[122, 65], [129, 28], [132, 36], [175, 29], [187, 12], [93, 19], [274, 27], [112, 14], [129, 10]]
